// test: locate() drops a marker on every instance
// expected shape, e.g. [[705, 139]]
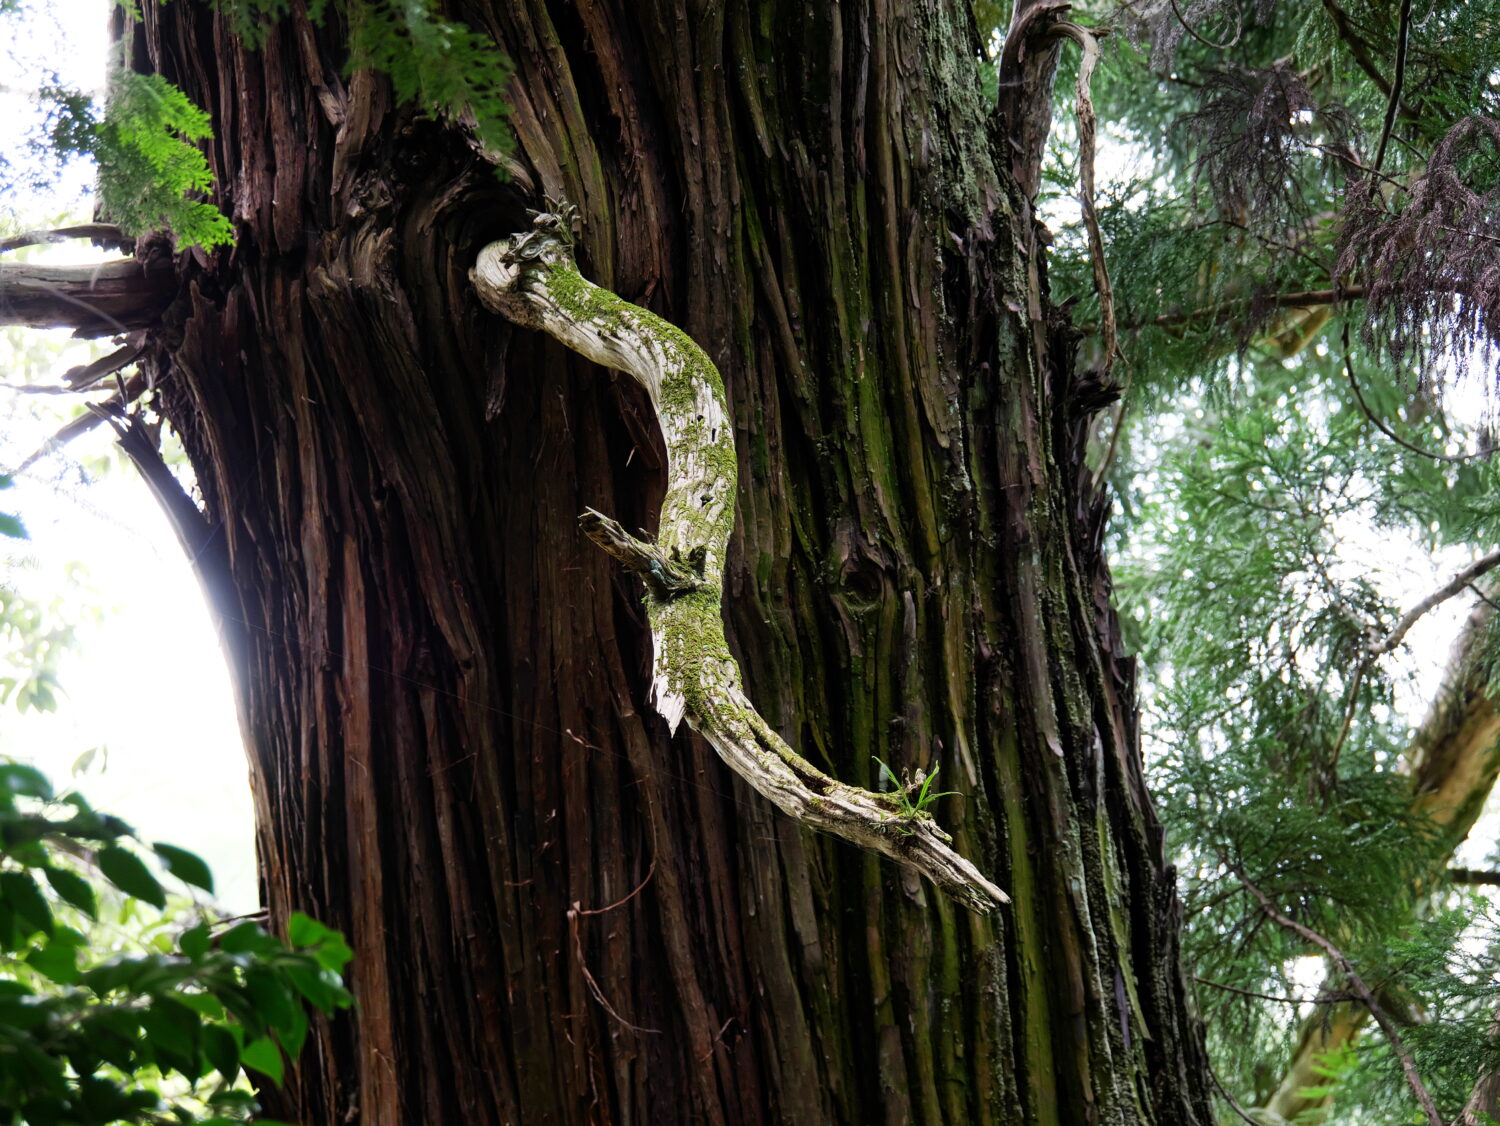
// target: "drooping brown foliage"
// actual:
[[1429, 251]]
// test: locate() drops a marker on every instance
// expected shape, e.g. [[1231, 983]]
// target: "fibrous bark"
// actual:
[[112, 297], [561, 912], [532, 280]]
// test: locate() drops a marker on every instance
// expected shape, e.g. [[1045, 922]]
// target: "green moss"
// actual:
[[692, 634], [584, 301]]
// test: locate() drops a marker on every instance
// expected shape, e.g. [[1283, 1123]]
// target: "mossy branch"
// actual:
[[532, 280]]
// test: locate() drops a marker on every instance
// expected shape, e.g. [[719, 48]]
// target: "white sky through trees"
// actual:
[[148, 680]]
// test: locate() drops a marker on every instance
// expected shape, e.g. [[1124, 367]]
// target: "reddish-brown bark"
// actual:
[[560, 914]]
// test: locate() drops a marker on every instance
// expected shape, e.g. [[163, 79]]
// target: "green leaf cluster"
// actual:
[[1267, 521], [151, 171], [170, 1033], [439, 64], [146, 137]]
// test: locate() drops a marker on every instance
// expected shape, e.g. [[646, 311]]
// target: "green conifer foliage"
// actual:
[[1299, 204]]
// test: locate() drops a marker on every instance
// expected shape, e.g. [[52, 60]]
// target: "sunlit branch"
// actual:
[[1363, 991], [101, 300], [104, 233]]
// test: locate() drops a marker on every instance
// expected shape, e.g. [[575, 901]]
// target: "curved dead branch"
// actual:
[[531, 279]]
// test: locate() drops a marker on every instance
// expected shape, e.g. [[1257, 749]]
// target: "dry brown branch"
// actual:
[[106, 234], [102, 300]]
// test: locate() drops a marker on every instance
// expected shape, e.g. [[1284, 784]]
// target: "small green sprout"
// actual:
[[908, 806]]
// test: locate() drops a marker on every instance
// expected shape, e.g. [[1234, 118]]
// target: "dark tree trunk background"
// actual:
[[560, 914]]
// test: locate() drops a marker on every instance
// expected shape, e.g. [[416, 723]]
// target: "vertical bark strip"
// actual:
[[445, 687]]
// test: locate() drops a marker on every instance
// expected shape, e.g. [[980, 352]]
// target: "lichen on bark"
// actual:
[[532, 280]]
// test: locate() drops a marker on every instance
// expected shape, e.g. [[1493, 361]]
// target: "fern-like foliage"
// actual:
[[443, 66], [146, 136], [151, 171]]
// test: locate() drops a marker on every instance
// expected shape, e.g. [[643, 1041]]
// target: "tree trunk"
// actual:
[[561, 914]]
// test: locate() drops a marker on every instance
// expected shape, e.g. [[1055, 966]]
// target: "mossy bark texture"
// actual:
[[562, 912], [533, 280]]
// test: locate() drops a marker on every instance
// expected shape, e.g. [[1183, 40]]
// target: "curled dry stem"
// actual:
[[531, 279]]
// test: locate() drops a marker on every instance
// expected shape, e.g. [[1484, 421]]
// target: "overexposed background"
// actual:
[[146, 688]]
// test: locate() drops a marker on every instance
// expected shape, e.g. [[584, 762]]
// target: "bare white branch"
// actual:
[[531, 279]]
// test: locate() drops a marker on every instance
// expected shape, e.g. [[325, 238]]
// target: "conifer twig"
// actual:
[[1363, 991], [1403, 34], [1453, 586]]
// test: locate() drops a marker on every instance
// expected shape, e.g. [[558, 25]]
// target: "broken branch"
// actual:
[[102, 300]]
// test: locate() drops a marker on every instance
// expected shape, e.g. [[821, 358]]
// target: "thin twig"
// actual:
[[1239, 29], [1229, 1099], [1403, 34], [1357, 45], [1302, 299], [1321, 999], [589, 977], [106, 233], [36, 389], [1377, 649], [1381, 426], [1486, 599], [85, 422], [1366, 996], [650, 871], [1454, 586], [1473, 876]]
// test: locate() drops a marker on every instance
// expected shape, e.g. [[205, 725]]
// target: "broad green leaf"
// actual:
[[204, 1004], [22, 896], [273, 1000], [265, 1057], [194, 942], [329, 947], [186, 866], [73, 888], [247, 938], [56, 962], [129, 873], [172, 1029], [27, 781], [293, 1031], [222, 1051]]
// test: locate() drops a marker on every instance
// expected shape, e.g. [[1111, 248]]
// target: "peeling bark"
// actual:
[[445, 686]]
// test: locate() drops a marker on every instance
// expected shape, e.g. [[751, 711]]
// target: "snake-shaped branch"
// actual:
[[531, 279]]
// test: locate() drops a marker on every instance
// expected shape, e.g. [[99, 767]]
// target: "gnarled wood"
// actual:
[[532, 279]]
